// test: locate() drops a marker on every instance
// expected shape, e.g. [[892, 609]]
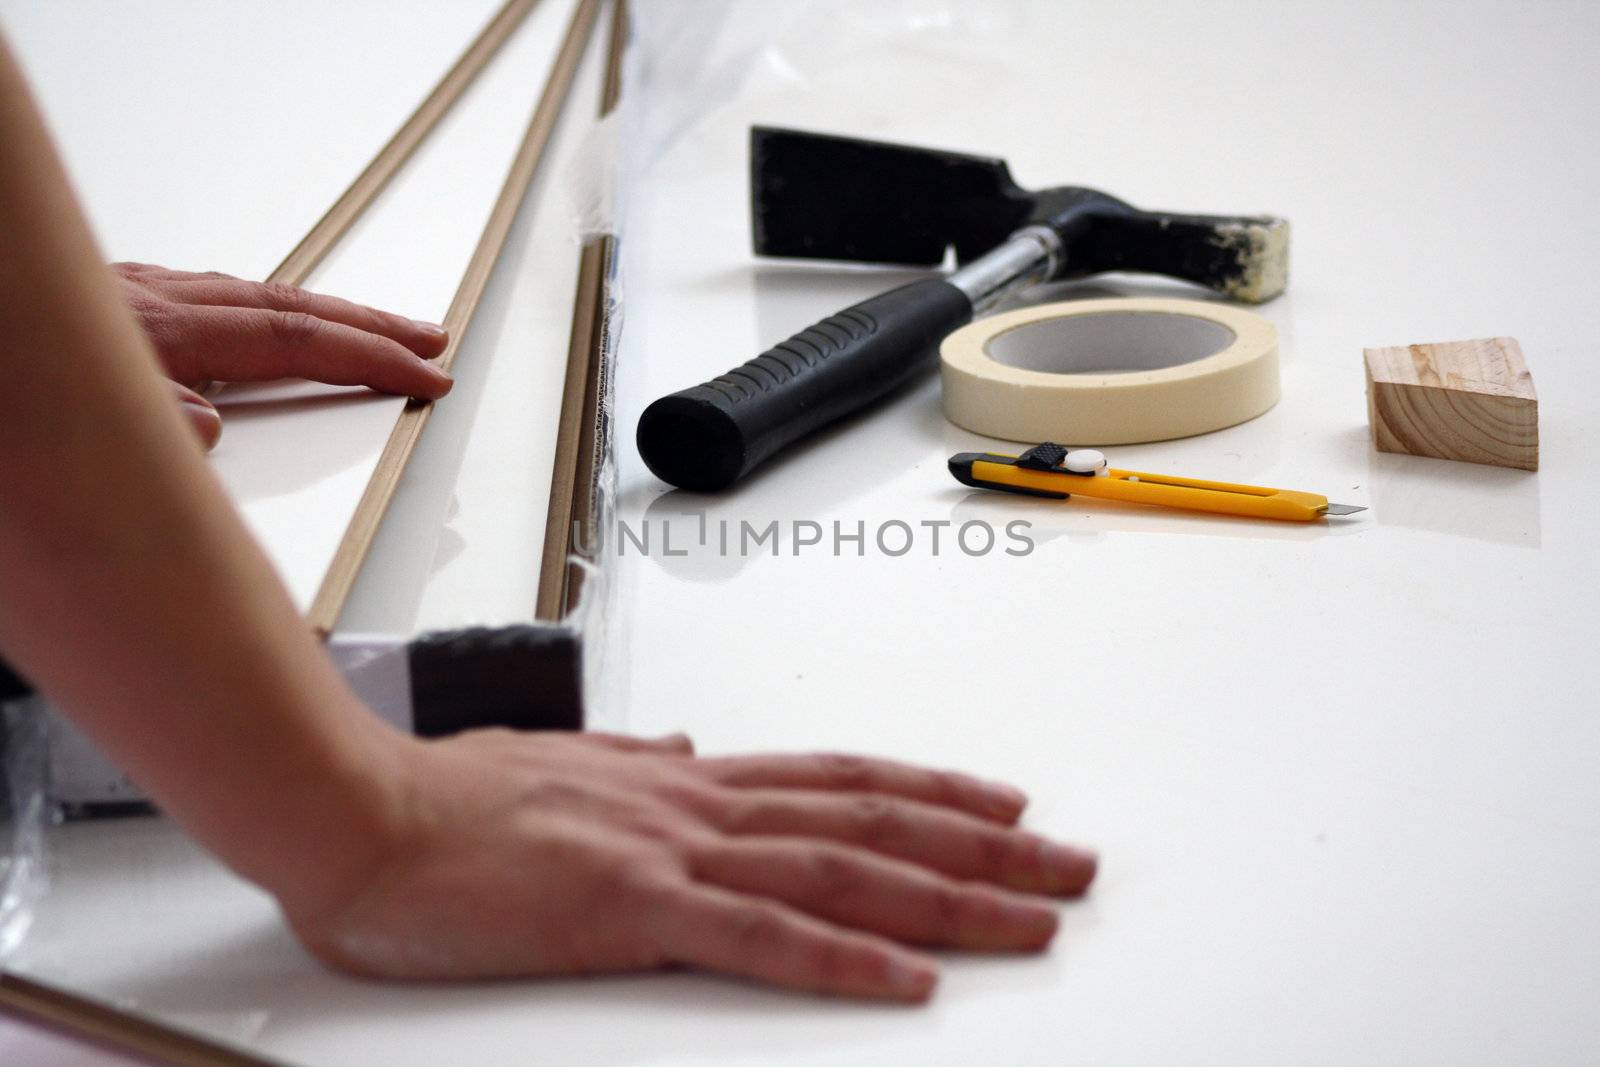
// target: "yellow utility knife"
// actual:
[[1051, 470]]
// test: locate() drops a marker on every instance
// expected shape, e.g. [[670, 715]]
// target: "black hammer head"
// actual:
[[818, 196]]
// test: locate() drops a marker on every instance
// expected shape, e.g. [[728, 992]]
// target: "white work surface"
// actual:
[[1342, 776]]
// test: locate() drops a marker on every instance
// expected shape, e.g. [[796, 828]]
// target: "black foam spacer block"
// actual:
[[522, 677]]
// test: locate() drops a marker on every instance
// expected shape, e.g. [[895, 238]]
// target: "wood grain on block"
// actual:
[[1465, 400]]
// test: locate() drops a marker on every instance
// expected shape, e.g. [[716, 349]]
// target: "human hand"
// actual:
[[528, 854], [213, 327]]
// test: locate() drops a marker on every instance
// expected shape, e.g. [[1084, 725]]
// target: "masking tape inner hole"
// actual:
[[1109, 342]]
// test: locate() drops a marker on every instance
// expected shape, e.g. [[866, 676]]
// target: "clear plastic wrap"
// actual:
[[23, 812]]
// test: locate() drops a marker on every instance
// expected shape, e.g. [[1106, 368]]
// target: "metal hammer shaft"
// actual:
[[1028, 257]]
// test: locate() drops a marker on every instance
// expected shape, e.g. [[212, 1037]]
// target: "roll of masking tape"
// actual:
[[1108, 372]]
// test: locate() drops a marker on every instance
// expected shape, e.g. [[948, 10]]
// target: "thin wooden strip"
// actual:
[[571, 480], [551, 598], [371, 181], [115, 1030], [357, 540], [592, 442], [618, 40]]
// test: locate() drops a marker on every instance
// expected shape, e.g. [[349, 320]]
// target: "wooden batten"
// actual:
[[580, 441], [114, 1030]]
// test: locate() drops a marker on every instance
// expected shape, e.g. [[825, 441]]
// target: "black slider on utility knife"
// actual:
[[822, 197]]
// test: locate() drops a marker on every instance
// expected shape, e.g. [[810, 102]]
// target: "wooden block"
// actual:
[[1466, 400]]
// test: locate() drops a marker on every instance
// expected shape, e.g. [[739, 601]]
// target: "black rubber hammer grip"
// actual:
[[708, 437]]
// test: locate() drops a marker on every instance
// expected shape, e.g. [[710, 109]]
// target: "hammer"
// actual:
[[817, 196]]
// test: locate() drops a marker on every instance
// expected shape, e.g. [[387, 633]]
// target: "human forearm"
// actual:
[[178, 650]]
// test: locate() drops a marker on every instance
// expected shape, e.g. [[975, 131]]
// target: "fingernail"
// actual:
[[432, 328], [1003, 798], [1039, 920], [441, 375], [909, 976], [1074, 866]]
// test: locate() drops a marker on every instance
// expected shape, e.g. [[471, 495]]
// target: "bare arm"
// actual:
[[132, 595], [206, 687]]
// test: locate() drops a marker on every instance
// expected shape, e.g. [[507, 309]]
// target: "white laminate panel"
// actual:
[[297, 456], [210, 136], [235, 183], [461, 543]]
